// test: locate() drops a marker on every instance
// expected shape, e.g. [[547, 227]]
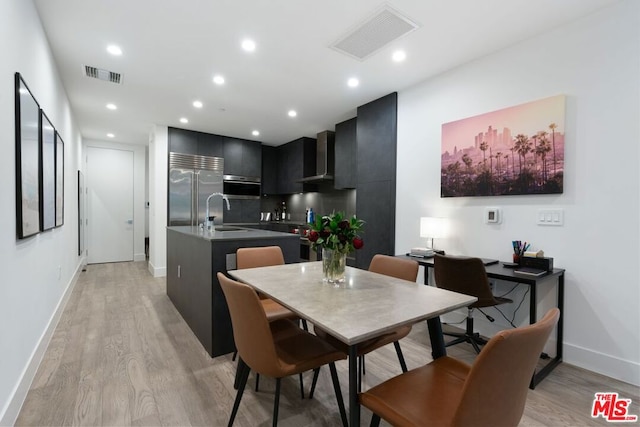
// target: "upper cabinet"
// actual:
[[242, 157], [296, 160], [269, 170], [345, 158]]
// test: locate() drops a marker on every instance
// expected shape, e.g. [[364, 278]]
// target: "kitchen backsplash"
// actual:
[[323, 202]]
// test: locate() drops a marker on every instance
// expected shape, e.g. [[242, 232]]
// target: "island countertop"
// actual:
[[231, 233]]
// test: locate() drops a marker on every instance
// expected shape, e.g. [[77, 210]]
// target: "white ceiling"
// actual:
[[173, 48]]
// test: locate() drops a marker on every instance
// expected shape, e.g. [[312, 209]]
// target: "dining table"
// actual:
[[365, 305]]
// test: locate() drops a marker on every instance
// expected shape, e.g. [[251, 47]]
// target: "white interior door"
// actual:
[[110, 205]]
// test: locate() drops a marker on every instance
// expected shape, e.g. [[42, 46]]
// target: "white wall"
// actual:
[[158, 149], [595, 63], [36, 272], [139, 197]]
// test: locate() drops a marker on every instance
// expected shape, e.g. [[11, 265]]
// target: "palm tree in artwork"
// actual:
[[498, 156], [534, 141], [553, 127], [513, 161], [483, 147], [541, 150], [522, 147]]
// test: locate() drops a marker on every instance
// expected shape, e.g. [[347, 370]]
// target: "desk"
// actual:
[[366, 305], [497, 271]]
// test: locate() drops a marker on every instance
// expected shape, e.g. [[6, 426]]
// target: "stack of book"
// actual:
[[421, 252]]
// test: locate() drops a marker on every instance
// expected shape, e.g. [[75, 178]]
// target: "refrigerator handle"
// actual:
[[196, 198]]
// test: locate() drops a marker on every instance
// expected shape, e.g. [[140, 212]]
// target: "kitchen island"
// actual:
[[194, 257]]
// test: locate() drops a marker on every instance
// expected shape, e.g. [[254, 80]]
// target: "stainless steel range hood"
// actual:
[[325, 157]]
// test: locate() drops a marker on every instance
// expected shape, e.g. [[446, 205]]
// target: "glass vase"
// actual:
[[333, 264]]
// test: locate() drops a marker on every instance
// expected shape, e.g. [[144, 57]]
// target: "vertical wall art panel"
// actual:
[[517, 150], [47, 173], [27, 133], [59, 180]]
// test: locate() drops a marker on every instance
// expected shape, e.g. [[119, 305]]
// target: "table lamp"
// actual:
[[432, 228]]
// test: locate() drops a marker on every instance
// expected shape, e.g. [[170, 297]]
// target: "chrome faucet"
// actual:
[[209, 223]]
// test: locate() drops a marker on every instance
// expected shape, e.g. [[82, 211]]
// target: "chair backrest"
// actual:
[[495, 391], [466, 276], [406, 269], [251, 330], [259, 257]]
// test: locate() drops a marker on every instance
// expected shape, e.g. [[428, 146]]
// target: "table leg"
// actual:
[[438, 348], [354, 406]]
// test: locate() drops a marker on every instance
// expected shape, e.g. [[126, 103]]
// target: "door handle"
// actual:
[[129, 221]]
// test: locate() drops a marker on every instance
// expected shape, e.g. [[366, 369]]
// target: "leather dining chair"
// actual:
[[448, 392], [466, 276], [264, 257], [389, 266], [276, 349]]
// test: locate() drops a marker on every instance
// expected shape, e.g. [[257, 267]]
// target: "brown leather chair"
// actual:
[[276, 349], [448, 392], [264, 257], [389, 266], [466, 276]]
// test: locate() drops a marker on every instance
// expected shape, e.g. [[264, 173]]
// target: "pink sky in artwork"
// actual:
[[528, 119]]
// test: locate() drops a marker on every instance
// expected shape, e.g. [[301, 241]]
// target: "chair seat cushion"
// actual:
[[368, 345], [275, 311], [434, 393]]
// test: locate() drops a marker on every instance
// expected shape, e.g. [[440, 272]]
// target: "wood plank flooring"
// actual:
[[122, 356]]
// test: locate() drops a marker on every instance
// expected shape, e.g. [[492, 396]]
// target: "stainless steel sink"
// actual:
[[229, 228]]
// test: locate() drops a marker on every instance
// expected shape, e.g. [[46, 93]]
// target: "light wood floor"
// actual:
[[122, 356]]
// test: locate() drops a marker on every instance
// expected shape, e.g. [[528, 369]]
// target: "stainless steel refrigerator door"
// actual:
[[181, 201], [209, 182]]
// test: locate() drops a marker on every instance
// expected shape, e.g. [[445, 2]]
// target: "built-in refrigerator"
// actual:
[[192, 179]]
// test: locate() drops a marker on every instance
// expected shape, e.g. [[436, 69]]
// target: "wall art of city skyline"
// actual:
[[516, 150]]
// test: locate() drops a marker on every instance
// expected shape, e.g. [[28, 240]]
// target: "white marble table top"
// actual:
[[366, 305]]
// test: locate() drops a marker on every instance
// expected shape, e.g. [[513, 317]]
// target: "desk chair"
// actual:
[[276, 349], [466, 276], [447, 392], [389, 266]]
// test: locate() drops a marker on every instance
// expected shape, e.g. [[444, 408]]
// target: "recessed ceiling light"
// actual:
[[248, 45], [218, 79], [112, 106], [110, 135], [255, 133], [184, 120], [197, 104], [399, 56], [292, 113], [114, 50], [353, 82]]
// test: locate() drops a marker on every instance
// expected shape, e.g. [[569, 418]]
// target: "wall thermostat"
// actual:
[[492, 215]]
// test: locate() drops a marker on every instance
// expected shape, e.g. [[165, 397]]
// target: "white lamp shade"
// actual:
[[432, 228]]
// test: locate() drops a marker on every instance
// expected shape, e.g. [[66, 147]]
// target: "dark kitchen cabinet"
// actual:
[[376, 138], [345, 158], [210, 145], [269, 170], [242, 157], [296, 160], [183, 141]]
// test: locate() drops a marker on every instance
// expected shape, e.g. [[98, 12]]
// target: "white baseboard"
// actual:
[[12, 410], [157, 271], [605, 364], [139, 257]]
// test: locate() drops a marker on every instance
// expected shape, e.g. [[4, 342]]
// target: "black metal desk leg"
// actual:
[[354, 406], [437, 339]]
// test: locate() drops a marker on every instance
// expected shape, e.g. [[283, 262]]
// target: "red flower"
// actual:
[[313, 236], [343, 224], [357, 242]]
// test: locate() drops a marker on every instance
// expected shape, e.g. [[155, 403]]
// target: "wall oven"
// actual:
[[241, 187]]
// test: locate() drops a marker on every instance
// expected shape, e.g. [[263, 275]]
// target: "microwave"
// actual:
[[241, 187]]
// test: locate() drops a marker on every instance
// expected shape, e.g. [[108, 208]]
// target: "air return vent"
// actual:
[[382, 28], [104, 75]]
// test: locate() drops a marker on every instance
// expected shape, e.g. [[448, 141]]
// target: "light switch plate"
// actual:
[[553, 217]]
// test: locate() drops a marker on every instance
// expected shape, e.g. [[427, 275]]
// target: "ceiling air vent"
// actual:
[[104, 75], [382, 28]]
